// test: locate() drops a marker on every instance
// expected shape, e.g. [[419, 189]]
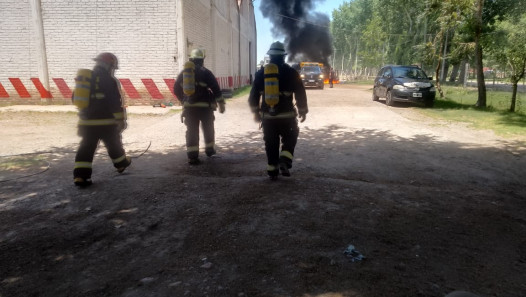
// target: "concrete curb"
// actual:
[[71, 108]]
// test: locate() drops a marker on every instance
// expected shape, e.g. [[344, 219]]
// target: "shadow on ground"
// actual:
[[428, 216]]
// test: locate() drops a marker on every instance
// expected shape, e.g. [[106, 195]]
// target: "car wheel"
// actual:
[[429, 103], [321, 87], [375, 98], [389, 99]]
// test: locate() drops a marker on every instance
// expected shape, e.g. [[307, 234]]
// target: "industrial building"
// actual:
[[44, 42]]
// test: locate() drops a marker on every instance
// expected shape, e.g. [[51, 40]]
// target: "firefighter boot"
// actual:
[[82, 182], [272, 172], [210, 152], [194, 161], [122, 168], [284, 168]]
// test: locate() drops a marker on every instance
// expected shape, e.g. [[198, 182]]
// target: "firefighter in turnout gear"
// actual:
[[198, 91], [276, 83], [101, 117], [332, 76]]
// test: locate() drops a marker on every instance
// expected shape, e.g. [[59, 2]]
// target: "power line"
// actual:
[[303, 21]]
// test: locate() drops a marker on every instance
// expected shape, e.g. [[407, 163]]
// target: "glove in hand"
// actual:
[[183, 115], [257, 117], [221, 107], [302, 117]]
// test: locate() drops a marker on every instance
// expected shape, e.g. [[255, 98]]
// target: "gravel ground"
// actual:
[[432, 206]]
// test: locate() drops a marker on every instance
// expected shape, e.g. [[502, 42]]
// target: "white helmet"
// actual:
[[197, 54], [277, 49]]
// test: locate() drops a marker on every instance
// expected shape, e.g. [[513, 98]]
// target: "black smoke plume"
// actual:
[[307, 35]]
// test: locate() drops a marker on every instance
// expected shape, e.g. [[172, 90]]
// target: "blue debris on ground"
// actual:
[[353, 254]]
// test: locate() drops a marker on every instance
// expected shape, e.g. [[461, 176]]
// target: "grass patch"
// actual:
[[174, 110], [458, 104], [358, 82], [21, 163], [17, 166], [241, 91]]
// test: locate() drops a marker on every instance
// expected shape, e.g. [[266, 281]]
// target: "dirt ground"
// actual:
[[432, 207]]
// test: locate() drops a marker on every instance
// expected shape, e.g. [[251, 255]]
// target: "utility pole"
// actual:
[[442, 74], [333, 58], [466, 75], [38, 25], [356, 59], [182, 41]]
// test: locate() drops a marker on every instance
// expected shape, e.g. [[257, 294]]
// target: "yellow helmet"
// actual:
[[197, 54]]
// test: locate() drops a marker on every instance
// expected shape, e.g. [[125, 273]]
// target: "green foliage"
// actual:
[[373, 41], [459, 105], [407, 25], [21, 164], [499, 10], [467, 97], [371, 33], [349, 22], [426, 52], [450, 14], [241, 91], [508, 46]]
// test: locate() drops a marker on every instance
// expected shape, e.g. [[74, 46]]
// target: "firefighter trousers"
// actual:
[[278, 132], [91, 135], [193, 116]]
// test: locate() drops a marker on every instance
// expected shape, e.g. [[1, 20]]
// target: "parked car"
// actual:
[[404, 84], [312, 75]]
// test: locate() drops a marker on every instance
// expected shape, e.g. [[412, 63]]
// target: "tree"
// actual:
[[373, 42], [486, 14], [414, 32], [347, 26], [407, 26], [462, 51], [451, 14], [508, 47], [481, 84]]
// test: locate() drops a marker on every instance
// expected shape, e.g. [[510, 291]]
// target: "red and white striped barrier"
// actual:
[[148, 91]]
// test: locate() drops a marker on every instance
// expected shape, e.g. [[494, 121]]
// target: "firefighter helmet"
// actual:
[[276, 49], [109, 59], [197, 54]]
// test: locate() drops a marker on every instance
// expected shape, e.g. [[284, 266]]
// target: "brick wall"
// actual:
[[16, 53], [144, 34]]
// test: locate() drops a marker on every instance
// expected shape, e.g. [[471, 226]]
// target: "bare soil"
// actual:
[[432, 206]]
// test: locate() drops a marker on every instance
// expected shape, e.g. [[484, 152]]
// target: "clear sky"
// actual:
[[264, 27]]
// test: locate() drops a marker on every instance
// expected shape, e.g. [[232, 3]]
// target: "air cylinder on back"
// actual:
[[81, 94]]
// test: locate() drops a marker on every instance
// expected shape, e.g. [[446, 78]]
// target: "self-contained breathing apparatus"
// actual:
[[189, 78], [82, 91], [271, 94], [194, 90]]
